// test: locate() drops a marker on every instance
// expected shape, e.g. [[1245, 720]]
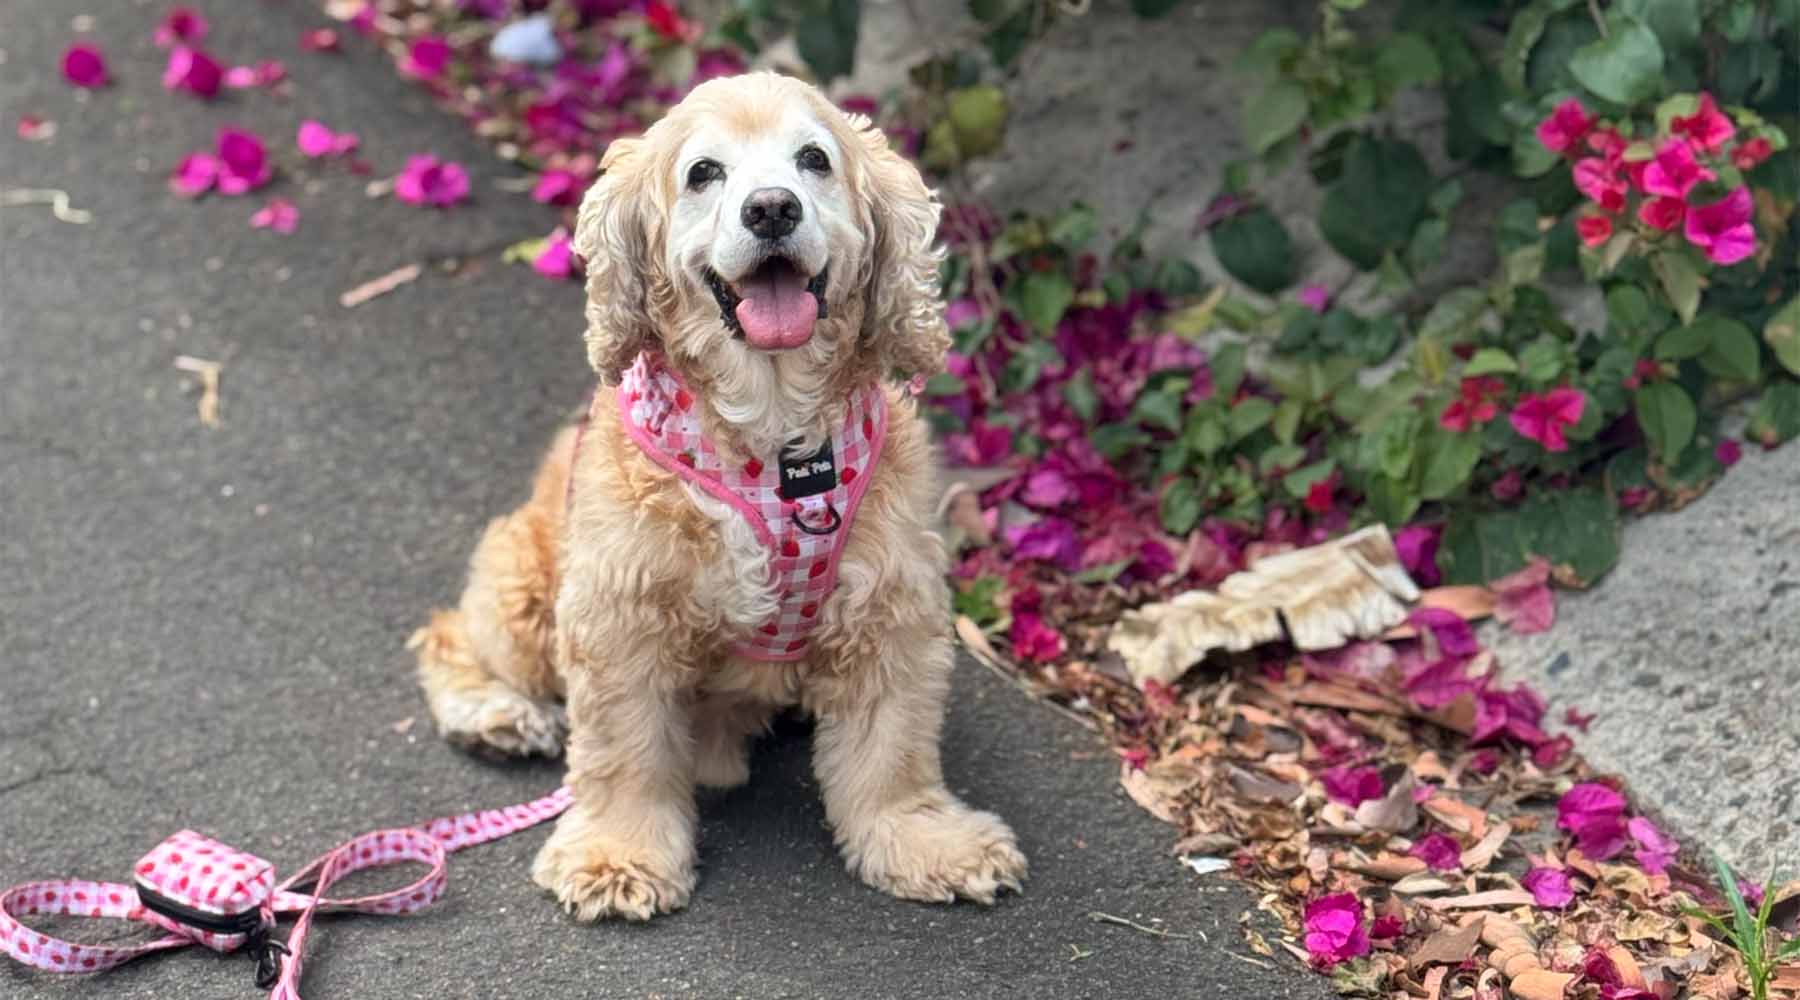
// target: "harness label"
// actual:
[[808, 475]]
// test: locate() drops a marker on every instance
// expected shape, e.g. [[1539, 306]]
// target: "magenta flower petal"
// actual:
[[1595, 815], [181, 26], [279, 214], [315, 140], [1566, 126], [1455, 639], [1655, 850], [1315, 297], [1352, 786], [1550, 887], [428, 181], [319, 40], [1544, 417], [84, 65], [1335, 931], [427, 58], [1033, 640], [1727, 453], [1417, 545], [243, 161], [1723, 228], [557, 187], [1674, 171], [195, 175], [1523, 600], [194, 71], [557, 260], [1439, 851], [1707, 128]]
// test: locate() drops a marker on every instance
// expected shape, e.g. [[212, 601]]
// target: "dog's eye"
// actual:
[[814, 159], [702, 173]]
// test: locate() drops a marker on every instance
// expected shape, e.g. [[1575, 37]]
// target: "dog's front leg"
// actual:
[[626, 846], [876, 755]]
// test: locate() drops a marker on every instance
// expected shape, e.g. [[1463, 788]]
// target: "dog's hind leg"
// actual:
[[487, 667]]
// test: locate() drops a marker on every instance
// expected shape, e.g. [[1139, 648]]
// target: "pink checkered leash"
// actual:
[[206, 893], [800, 508]]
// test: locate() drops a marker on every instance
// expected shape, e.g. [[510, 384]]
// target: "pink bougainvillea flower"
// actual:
[[1387, 927], [1049, 539], [1599, 970], [1475, 404], [1335, 931], [1318, 497], [267, 73], [1750, 153], [1593, 229], [1608, 143], [1047, 489], [1523, 600], [278, 214], [1417, 545], [1727, 452], [1595, 815], [319, 40], [1033, 640], [194, 71], [194, 175], [1550, 887], [426, 58], [962, 312], [1654, 849], [181, 26], [1707, 128], [1723, 228], [1315, 297], [983, 445], [31, 128], [1452, 635], [1439, 851], [1663, 213], [666, 21], [1566, 127], [1352, 786], [1544, 417], [1601, 183], [84, 65], [1674, 171], [557, 259], [557, 187], [429, 181], [315, 139], [243, 161]]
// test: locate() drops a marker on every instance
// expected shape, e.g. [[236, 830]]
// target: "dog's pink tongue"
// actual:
[[777, 311]]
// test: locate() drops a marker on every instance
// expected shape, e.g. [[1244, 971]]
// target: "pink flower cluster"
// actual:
[[1594, 814], [1611, 171], [238, 164]]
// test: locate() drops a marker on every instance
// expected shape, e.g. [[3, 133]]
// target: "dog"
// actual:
[[742, 523]]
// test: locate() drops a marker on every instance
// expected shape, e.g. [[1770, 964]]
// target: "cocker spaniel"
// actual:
[[742, 522]]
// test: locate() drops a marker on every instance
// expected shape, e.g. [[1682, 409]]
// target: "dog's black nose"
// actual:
[[771, 213]]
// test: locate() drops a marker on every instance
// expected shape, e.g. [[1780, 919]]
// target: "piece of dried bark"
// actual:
[[209, 372], [379, 286]]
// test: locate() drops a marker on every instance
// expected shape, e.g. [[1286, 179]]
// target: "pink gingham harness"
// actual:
[[203, 892], [800, 507]]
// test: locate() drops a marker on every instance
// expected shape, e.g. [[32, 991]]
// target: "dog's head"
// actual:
[[756, 226]]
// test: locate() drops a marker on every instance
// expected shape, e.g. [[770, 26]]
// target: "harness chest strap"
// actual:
[[800, 507], [205, 893]]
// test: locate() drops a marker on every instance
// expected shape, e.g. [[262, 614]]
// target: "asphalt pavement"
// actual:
[[203, 626]]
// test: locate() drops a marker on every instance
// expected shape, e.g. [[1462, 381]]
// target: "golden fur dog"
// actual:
[[606, 607]]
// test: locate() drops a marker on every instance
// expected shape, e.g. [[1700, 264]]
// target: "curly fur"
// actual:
[[613, 596]]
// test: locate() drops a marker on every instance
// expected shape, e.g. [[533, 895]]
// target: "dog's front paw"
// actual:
[[595, 879], [498, 721], [938, 853]]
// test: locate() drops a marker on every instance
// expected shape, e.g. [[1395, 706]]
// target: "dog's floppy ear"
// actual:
[[903, 318], [613, 239]]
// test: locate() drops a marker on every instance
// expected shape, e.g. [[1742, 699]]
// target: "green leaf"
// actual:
[[1680, 282], [1254, 248], [1453, 315], [1731, 351], [978, 117], [1079, 393], [1682, 342], [946, 384], [1777, 416], [1783, 334], [1299, 481], [1490, 361], [1478, 547], [1158, 409], [1205, 433], [1227, 367], [1447, 196], [1179, 509], [1426, 250], [1521, 37], [1026, 364], [977, 601], [1280, 456], [1627, 308], [1273, 114], [1116, 440], [1074, 227], [1667, 415], [1407, 60], [1249, 416], [1270, 50], [1374, 205], [1576, 530], [1524, 265], [1624, 67], [828, 43], [1176, 278], [1397, 444], [1676, 23], [1542, 360], [1450, 460], [1287, 420], [1043, 298]]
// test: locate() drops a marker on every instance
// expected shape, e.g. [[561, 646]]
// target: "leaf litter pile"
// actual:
[[1346, 749]]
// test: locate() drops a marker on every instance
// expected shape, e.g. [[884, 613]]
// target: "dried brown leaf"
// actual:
[[1477, 858], [1541, 984], [1451, 945], [1481, 900], [1394, 812]]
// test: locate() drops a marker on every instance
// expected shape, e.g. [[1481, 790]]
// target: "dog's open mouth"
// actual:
[[773, 307]]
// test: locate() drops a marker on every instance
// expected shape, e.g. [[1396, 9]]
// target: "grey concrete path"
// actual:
[[203, 627]]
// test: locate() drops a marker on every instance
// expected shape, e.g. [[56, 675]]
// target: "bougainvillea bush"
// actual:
[[1160, 436]]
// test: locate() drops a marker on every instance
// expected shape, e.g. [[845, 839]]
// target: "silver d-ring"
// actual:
[[837, 521]]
